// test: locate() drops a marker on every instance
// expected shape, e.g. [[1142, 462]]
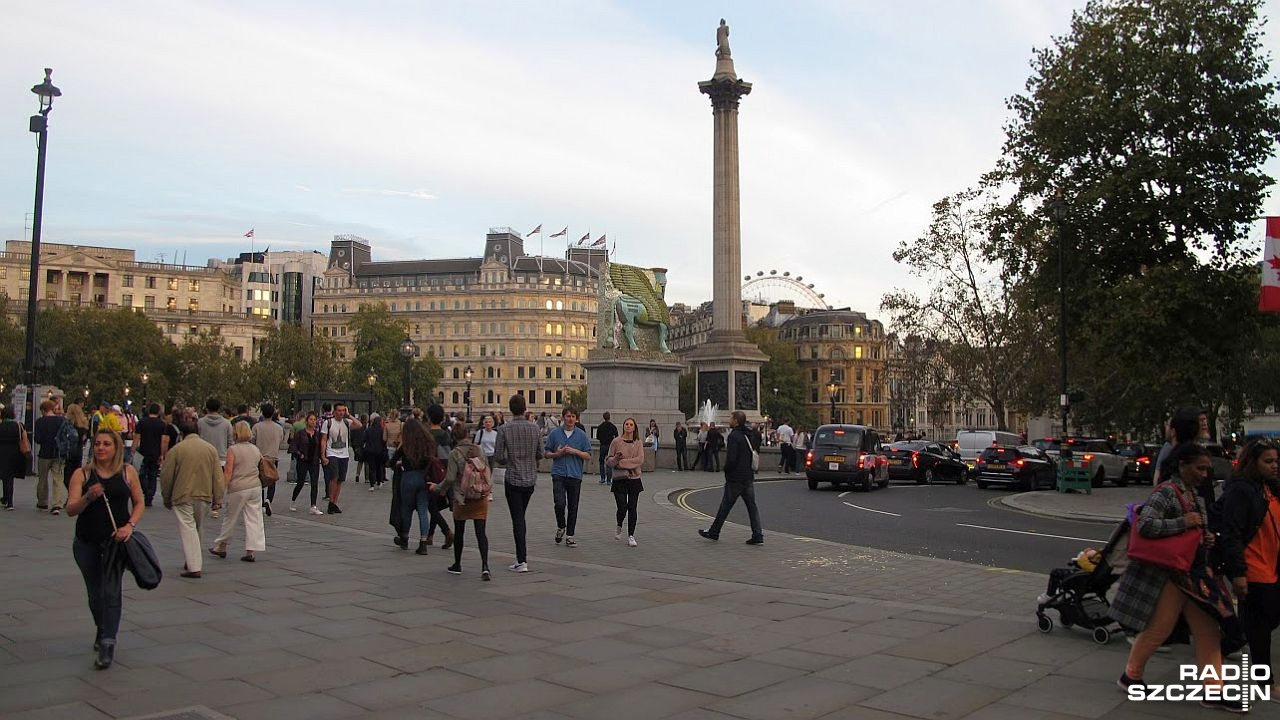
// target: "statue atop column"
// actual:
[[722, 40]]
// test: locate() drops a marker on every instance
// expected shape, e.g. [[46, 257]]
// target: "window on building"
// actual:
[[546, 396], [549, 305], [455, 397], [151, 282], [559, 397], [193, 285], [194, 329], [559, 303], [546, 350], [193, 305], [171, 304], [857, 375], [520, 372], [173, 283], [126, 300], [559, 374], [127, 281], [559, 351], [857, 352]]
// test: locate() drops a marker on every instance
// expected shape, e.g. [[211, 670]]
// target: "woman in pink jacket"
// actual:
[[626, 455]]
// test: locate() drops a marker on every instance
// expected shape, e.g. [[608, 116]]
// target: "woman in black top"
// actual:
[[105, 497], [375, 452], [305, 448], [12, 461], [418, 466], [682, 439]]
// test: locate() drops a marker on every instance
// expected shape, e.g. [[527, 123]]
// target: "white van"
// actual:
[[971, 443]]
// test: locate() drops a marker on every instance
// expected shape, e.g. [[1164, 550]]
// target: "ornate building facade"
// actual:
[[522, 323], [182, 300], [849, 348]]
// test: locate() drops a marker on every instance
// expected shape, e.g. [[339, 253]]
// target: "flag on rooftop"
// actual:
[[537, 230], [561, 233], [584, 238], [598, 242], [249, 234]]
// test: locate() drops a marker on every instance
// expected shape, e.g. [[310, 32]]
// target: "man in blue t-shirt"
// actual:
[[567, 446]]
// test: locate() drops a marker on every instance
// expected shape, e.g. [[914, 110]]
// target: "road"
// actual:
[[942, 521]]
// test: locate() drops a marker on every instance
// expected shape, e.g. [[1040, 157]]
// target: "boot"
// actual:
[[97, 640], [431, 538], [402, 541], [422, 547], [106, 653], [448, 540]]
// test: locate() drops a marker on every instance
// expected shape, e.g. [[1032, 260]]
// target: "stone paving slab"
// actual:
[[333, 621]]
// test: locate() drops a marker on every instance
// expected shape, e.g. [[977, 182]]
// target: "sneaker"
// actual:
[[617, 534], [454, 569], [1234, 706], [520, 567], [707, 534], [334, 509], [293, 508], [57, 510], [559, 535], [484, 575], [755, 541], [372, 488], [1043, 599], [631, 541], [266, 508], [570, 542], [316, 511], [1125, 682]]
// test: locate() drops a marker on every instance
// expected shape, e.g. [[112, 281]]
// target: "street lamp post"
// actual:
[[1058, 209], [293, 396], [408, 349], [39, 125], [145, 377], [466, 397], [373, 380], [832, 388], [86, 396]]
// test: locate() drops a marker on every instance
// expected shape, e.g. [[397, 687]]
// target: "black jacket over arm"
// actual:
[[737, 462], [1241, 511]]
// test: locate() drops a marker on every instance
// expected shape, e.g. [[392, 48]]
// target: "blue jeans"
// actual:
[[149, 475], [414, 496], [105, 609], [606, 472]]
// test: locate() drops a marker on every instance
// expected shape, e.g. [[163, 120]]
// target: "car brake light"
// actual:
[[1088, 457], [1144, 460], [1019, 462], [808, 459], [915, 460]]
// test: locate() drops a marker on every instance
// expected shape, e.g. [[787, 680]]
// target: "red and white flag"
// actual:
[[537, 230], [1269, 300], [598, 242], [559, 234], [584, 238], [249, 234]]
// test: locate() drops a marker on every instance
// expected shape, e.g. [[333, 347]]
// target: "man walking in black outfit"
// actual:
[[606, 432], [152, 445], [739, 479]]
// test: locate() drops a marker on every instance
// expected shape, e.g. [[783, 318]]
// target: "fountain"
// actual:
[[707, 414]]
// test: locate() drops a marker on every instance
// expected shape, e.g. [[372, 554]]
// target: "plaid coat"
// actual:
[[1140, 586]]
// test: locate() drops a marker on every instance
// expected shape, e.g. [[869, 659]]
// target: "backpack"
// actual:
[[67, 440], [475, 479]]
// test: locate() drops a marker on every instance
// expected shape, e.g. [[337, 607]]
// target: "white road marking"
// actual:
[[882, 512], [1027, 532], [846, 492]]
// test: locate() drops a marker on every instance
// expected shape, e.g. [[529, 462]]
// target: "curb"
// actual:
[[1010, 503]]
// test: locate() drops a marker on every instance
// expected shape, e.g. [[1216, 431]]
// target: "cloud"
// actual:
[[419, 194]]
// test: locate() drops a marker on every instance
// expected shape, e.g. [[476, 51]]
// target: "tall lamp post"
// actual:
[[832, 388], [466, 396], [86, 396], [145, 377], [126, 397], [293, 396], [408, 349], [373, 380], [1058, 210], [39, 125]]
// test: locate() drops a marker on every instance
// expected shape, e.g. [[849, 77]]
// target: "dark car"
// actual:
[[1026, 466], [925, 462], [1139, 461], [846, 454]]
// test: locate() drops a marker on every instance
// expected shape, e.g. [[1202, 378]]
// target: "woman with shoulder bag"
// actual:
[[626, 456], [306, 451], [1250, 547], [1152, 594], [243, 495], [477, 511], [418, 465], [102, 494]]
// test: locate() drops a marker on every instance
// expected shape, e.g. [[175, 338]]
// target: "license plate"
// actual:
[[833, 458], [996, 466], [898, 462], [833, 466]]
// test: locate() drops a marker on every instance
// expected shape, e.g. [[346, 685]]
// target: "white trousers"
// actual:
[[244, 505], [190, 521]]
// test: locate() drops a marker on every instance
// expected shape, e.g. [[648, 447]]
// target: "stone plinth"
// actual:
[[643, 385], [728, 374]]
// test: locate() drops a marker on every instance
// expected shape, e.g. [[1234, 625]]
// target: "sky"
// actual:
[[420, 124]]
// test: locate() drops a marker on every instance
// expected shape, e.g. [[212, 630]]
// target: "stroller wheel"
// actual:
[[1044, 622], [1101, 635]]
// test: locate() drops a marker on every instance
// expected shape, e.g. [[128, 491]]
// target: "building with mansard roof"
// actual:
[[522, 323]]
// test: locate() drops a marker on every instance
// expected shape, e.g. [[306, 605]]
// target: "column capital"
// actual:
[[724, 92]]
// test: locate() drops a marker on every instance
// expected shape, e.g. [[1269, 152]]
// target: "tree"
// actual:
[[971, 312], [293, 350], [105, 351], [207, 367], [783, 372], [377, 349], [577, 397]]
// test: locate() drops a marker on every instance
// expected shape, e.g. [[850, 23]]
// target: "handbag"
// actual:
[[138, 554], [268, 472], [22, 461], [1172, 552]]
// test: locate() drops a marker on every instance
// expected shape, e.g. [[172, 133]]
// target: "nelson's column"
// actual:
[[728, 366]]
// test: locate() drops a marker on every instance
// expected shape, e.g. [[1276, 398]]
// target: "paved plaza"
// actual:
[[334, 621]]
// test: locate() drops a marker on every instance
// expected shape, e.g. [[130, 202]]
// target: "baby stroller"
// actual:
[[1079, 591]]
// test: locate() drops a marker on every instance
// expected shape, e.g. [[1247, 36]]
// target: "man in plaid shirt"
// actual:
[[518, 447]]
